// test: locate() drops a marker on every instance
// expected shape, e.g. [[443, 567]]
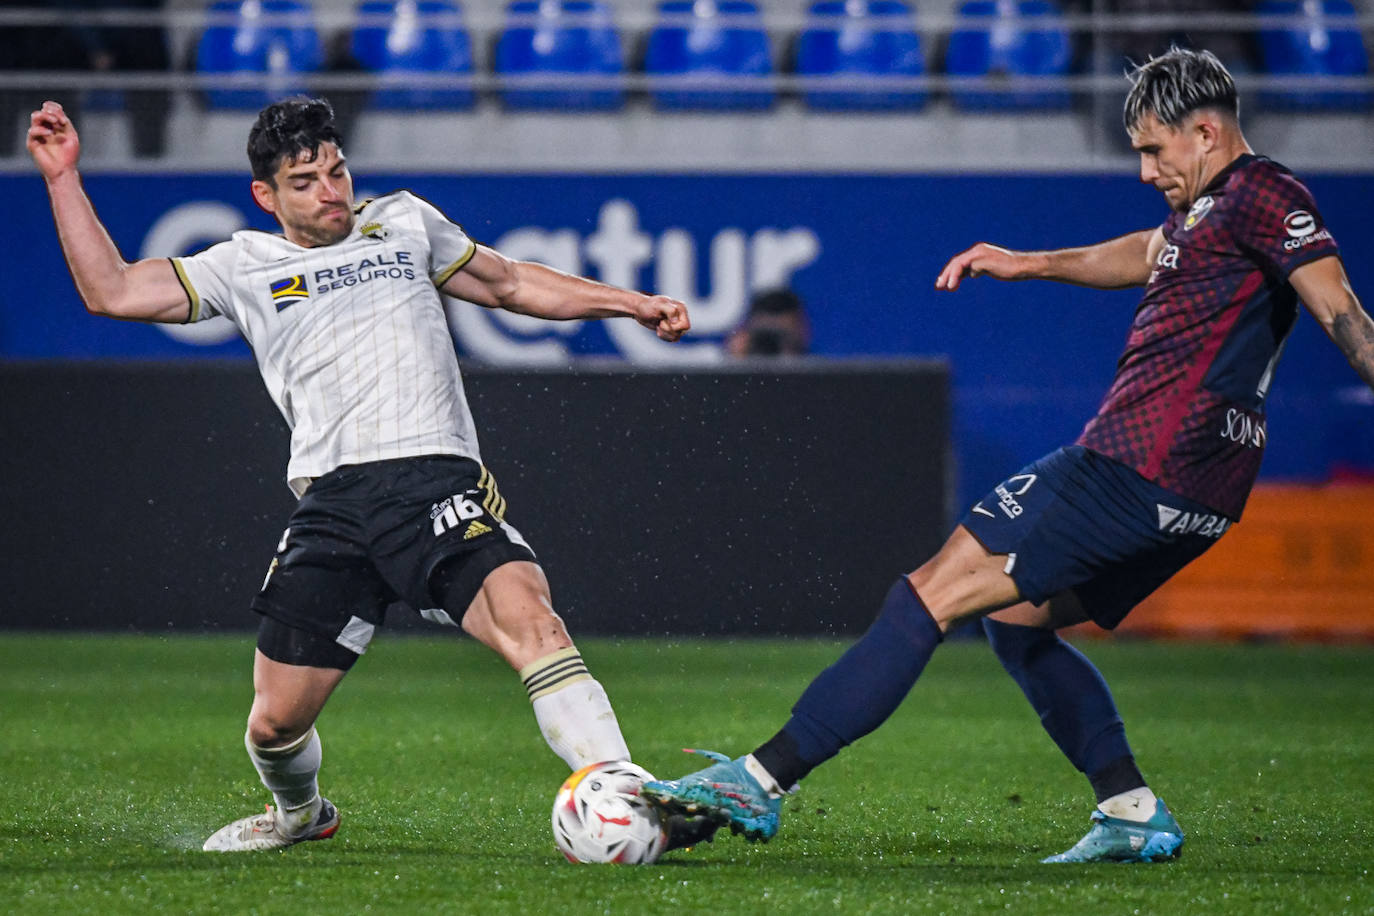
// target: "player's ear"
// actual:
[[1207, 131], [265, 196]]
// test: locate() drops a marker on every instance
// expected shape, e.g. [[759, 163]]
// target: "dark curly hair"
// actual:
[[284, 130]]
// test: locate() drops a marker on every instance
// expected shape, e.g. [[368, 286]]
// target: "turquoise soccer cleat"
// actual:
[[724, 792], [1113, 840]]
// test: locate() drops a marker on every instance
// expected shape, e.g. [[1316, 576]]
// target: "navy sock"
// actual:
[[1116, 777], [1073, 701], [856, 694]]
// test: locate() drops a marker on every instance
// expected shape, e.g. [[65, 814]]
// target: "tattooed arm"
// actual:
[[1325, 290]]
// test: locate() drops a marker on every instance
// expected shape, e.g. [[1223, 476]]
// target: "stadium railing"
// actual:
[[1094, 38]]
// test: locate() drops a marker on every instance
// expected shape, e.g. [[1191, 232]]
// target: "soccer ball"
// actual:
[[598, 816]]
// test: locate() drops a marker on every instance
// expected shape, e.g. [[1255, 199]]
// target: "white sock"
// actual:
[[765, 778], [1132, 805], [573, 711], [290, 774]]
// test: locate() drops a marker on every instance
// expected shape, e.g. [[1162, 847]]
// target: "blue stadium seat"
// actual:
[[1319, 44], [699, 50], [548, 47], [1008, 50], [104, 100], [413, 37], [853, 51], [283, 50]]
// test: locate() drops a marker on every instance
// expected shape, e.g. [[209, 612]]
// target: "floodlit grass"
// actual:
[[121, 754]]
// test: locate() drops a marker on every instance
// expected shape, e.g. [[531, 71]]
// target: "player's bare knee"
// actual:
[[513, 614], [473, 625], [522, 639], [268, 735], [476, 620], [949, 612], [963, 582], [266, 730], [531, 634]]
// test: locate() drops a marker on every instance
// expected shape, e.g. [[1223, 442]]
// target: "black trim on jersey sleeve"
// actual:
[[443, 276], [192, 298]]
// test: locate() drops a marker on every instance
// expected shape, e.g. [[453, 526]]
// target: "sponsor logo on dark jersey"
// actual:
[[1299, 223], [1302, 230], [1167, 259], [1242, 428]]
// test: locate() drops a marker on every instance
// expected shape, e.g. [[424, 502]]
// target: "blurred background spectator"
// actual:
[[348, 103], [85, 47], [1236, 48], [138, 49], [34, 51], [775, 326]]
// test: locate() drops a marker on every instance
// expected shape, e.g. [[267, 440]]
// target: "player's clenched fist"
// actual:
[[52, 140], [665, 316]]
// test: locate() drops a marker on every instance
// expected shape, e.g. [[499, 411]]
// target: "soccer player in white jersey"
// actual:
[[344, 315]]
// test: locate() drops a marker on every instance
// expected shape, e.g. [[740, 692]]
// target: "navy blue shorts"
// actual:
[[1078, 521]]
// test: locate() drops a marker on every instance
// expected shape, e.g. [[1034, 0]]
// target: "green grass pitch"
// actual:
[[120, 754]]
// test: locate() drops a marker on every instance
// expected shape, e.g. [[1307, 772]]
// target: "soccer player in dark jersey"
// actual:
[[1156, 477]]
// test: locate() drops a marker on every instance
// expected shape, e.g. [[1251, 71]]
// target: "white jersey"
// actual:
[[350, 338]]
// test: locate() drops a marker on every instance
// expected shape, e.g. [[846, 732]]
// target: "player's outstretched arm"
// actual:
[[1325, 289], [1114, 264], [493, 280], [109, 285]]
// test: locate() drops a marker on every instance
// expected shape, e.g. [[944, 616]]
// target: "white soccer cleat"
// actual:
[[261, 831]]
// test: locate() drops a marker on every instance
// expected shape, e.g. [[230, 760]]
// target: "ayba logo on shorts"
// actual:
[[288, 291], [1177, 521]]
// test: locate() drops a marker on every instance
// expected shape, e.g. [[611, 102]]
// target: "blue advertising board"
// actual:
[[1030, 360]]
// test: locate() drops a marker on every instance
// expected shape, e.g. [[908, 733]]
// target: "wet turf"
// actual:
[[120, 754]]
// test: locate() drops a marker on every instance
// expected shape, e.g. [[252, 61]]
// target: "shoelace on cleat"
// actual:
[[265, 822]]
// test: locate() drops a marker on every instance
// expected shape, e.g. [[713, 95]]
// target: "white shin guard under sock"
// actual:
[[765, 778], [573, 711], [291, 774], [1133, 805]]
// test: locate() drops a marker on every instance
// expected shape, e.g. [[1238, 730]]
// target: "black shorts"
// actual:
[[1079, 521], [367, 535]]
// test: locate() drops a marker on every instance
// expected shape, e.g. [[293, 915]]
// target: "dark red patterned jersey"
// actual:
[[1186, 409]]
